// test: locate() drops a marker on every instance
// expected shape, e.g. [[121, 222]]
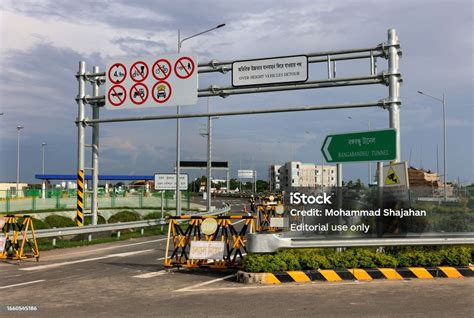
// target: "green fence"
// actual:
[[59, 199]]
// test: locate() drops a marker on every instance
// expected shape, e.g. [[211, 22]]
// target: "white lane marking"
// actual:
[[22, 284], [110, 247], [34, 268], [160, 259], [151, 274], [189, 288]]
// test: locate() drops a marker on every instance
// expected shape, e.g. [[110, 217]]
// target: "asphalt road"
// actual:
[[126, 279]]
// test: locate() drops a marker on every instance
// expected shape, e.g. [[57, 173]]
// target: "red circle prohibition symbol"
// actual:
[[186, 64], [159, 90], [161, 69], [124, 73], [139, 93], [117, 92], [139, 71]]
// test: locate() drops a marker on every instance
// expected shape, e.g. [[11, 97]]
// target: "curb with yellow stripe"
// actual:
[[330, 275]]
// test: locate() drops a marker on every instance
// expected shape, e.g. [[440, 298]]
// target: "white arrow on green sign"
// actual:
[[375, 145]]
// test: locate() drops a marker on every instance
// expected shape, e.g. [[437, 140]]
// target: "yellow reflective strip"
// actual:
[[299, 276], [330, 275], [451, 272], [420, 272], [79, 204], [80, 184], [390, 273], [269, 278], [360, 274]]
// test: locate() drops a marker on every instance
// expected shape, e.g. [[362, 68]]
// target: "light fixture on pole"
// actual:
[[18, 128], [178, 134], [445, 172]]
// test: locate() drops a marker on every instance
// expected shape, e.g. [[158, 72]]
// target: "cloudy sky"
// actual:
[[41, 43]]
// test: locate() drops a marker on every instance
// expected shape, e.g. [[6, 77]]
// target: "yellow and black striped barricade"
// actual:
[[15, 231], [265, 212], [181, 235], [80, 198]]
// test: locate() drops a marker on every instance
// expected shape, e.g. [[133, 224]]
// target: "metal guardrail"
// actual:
[[270, 243], [112, 227]]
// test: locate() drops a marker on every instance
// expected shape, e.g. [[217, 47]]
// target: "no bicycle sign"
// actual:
[[167, 80]]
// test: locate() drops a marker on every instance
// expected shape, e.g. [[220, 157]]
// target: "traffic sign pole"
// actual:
[[394, 88]]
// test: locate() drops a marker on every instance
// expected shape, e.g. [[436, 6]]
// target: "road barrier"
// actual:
[[270, 243], [356, 274], [15, 230], [268, 208], [207, 241]]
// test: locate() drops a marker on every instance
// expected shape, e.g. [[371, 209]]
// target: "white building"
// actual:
[[296, 174], [274, 176]]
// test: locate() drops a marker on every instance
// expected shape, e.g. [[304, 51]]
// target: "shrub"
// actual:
[[58, 221], [456, 256], [385, 260], [155, 215], [124, 216], [313, 260], [88, 219], [290, 259]]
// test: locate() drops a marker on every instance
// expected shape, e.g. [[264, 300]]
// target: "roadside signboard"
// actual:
[[396, 185], [168, 80], [245, 174], [207, 250], [396, 175], [374, 145], [285, 69], [167, 181]]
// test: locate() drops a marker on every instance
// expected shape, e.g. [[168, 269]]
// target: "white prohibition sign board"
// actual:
[[166, 87], [167, 181], [285, 69], [207, 250]]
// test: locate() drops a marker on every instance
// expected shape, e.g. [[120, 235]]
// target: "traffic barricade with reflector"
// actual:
[[207, 241], [14, 243]]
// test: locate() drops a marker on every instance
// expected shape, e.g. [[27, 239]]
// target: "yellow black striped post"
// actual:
[[80, 198]]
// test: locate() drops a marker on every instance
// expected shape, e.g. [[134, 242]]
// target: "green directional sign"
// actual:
[[375, 145]]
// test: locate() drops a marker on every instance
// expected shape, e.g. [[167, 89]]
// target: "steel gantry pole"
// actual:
[[394, 87], [209, 159], [80, 143], [95, 150], [178, 148]]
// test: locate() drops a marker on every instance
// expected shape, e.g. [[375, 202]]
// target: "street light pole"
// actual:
[[18, 128], [178, 130], [43, 186], [445, 164]]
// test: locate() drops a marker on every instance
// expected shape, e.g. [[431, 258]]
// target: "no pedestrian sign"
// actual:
[[169, 80]]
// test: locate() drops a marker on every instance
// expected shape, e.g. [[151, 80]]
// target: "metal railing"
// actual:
[[56, 232], [270, 243], [60, 199]]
